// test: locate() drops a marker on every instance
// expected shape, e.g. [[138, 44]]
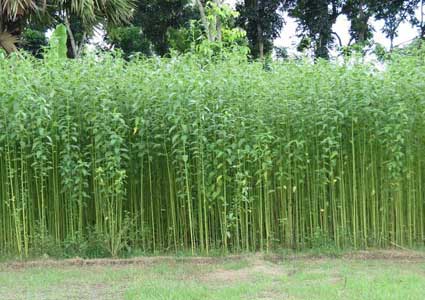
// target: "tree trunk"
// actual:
[[73, 46], [422, 34], [364, 27], [218, 22], [204, 20], [80, 47], [260, 41]]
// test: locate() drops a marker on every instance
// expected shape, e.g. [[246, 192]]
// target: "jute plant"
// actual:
[[179, 154]]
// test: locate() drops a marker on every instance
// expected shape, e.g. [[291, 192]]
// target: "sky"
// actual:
[[288, 37]]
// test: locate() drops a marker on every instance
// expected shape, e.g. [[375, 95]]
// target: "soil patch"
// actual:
[[389, 254], [257, 267], [257, 260], [140, 261]]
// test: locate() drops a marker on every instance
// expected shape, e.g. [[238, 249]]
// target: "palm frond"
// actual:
[[92, 11], [12, 9], [8, 42], [116, 11]]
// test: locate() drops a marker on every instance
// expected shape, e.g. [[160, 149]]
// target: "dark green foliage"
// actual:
[[263, 22], [316, 18], [359, 12], [281, 52], [33, 41], [130, 40], [183, 39], [157, 17], [394, 13], [419, 22]]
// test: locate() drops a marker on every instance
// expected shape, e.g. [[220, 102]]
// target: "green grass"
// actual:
[[248, 278], [338, 279]]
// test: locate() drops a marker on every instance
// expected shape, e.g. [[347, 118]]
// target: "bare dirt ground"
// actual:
[[404, 255]]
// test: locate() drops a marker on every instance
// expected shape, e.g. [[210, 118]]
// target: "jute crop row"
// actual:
[[178, 154]]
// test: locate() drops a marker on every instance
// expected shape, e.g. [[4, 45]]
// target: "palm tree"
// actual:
[[13, 14]]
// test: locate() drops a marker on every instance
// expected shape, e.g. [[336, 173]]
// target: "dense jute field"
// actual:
[[181, 154]]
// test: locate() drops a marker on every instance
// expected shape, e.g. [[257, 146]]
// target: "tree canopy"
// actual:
[[154, 27]]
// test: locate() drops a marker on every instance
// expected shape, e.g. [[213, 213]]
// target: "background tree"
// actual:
[[12, 13], [393, 13], [33, 41], [130, 40], [157, 17], [419, 22], [183, 39], [151, 25], [316, 18], [81, 18], [263, 22], [15, 16], [359, 13], [158, 25], [210, 12]]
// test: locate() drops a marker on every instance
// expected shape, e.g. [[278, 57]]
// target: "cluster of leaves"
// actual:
[[263, 22], [222, 33], [152, 26], [131, 40]]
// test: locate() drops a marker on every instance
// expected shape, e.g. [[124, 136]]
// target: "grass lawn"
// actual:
[[242, 277]]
